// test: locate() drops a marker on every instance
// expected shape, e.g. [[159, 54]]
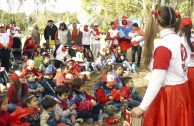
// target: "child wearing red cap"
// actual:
[[30, 68], [17, 91], [104, 97]]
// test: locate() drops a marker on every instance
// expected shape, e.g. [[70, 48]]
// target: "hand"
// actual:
[[93, 102], [121, 99], [136, 112], [73, 119], [73, 107], [57, 117], [111, 98]]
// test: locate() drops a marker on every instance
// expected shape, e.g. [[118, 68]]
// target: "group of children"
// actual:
[[35, 98]]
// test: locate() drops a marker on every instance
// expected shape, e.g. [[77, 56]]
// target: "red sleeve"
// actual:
[[56, 35], [162, 56], [26, 89], [24, 71], [10, 42], [89, 97], [108, 35], [101, 98], [36, 72], [1, 45], [10, 94]]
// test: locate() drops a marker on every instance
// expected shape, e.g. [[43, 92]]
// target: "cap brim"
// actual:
[[112, 82]]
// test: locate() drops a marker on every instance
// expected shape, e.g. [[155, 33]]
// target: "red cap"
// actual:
[[186, 21], [124, 17], [17, 74], [109, 79]]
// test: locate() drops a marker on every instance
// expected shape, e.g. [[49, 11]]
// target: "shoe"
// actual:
[[77, 124], [89, 120], [105, 115], [79, 120]]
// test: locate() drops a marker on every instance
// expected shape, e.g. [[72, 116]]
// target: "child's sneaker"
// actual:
[[79, 120], [77, 124], [105, 115], [89, 120]]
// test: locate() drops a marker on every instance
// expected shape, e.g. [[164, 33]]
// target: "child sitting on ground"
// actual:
[[17, 91], [47, 82], [45, 63], [45, 50], [48, 117], [112, 106], [34, 87], [99, 62], [65, 78], [29, 114], [66, 112], [4, 115], [30, 68], [86, 104]]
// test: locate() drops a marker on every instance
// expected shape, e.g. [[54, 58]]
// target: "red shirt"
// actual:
[[5, 119]]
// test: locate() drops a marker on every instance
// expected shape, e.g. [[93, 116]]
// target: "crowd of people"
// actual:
[[49, 94]]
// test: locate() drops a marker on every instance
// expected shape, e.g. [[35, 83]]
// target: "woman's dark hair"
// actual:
[[60, 90], [27, 99], [126, 80], [48, 102], [89, 59], [2, 98], [188, 37], [166, 17], [135, 25], [116, 66], [63, 24], [77, 83], [16, 86]]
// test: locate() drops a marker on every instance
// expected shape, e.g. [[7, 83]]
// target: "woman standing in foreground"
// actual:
[[167, 101]]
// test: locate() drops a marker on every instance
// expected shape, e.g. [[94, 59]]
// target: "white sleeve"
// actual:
[[156, 81]]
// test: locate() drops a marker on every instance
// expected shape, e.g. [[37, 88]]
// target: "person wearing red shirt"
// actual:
[[17, 91], [30, 68], [6, 42]]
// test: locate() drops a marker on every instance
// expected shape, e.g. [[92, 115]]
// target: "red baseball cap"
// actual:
[[17, 74], [186, 21], [109, 79]]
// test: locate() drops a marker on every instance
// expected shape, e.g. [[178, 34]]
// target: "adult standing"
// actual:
[[167, 101], [74, 36], [124, 30], [113, 35], [6, 42], [186, 26], [95, 41], [36, 33], [136, 44], [86, 39], [50, 31], [61, 34]]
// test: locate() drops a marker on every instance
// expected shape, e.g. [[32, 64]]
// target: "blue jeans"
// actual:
[[66, 120], [136, 97], [12, 107]]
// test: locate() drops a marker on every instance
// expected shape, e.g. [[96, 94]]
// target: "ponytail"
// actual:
[[150, 34], [188, 37]]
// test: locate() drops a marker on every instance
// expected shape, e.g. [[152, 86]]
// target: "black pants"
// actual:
[[57, 63], [86, 48], [90, 114], [4, 56], [137, 49]]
